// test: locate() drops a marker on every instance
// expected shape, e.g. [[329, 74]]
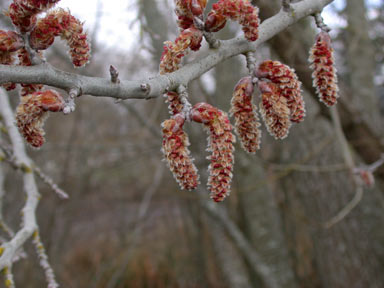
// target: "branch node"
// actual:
[[35, 58], [187, 106], [320, 22], [199, 23], [70, 105], [211, 40], [286, 6], [251, 62], [114, 75]]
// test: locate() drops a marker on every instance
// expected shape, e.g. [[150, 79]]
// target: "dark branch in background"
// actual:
[[286, 5]]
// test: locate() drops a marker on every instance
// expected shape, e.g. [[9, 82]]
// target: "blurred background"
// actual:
[[127, 224]]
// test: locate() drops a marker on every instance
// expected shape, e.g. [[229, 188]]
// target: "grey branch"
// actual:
[[29, 224], [95, 86]]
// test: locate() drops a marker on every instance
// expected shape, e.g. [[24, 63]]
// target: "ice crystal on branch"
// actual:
[[23, 12], [173, 52], [220, 144], [61, 23], [176, 153], [241, 11], [33, 111], [274, 109], [186, 10], [245, 113], [324, 72], [287, 82]]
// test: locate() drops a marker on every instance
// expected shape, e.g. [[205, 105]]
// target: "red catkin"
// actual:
[[23, 12], [175, 106], [220, 144], [174, 52], [274, 110], [324, 72], [186, 10], [61, 23], [32, 112], [241, 11], [287, 81], [245, 113], [177, 154]]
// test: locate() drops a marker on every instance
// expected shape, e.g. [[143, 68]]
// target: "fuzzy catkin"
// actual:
[[61, 23], [274, 110], [241, 11], [288, 83], [220, 144], [245, 113], [174, 51], [186, 10], [32, 112], [23, 12], [324, 72], [177, 154]]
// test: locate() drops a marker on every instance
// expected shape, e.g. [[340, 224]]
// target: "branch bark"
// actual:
[[29, 224], [95, 86]]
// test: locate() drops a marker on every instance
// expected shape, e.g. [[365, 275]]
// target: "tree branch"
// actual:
[[29, 224], [95, 86]]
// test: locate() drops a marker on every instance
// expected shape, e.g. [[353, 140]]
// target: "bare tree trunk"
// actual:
[[346, 255]]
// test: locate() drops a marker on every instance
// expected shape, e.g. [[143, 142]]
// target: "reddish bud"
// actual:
[[10, 41], [215, 22], [23, 12], [32, 112], [186, 10]]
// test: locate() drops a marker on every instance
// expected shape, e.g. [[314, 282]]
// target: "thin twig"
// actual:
[[311, 168], [29, 224], [348, 159], [251, 62], [187, 106], [320, 23], [23, 167], [114, 74]]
